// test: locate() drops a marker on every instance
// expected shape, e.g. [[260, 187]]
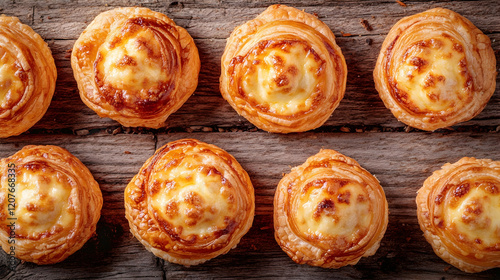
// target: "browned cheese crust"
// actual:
[[435, 69], [135, 66], [458, 211], [283, 71], [329, 211], [27, 77], [57, 204], [190, 202]]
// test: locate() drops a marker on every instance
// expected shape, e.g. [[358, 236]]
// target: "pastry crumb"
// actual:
[[345, 34], [365, 24], [117, 130], [401, 3]]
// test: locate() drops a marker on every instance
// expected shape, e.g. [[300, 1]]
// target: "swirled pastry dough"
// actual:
[[329, 211], [27, 77], [57, 204], [190, 202], [458, 211], [135, 66], [435, 69], [283, 71]]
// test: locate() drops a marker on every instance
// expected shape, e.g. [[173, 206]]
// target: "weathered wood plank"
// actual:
[[210, 22]]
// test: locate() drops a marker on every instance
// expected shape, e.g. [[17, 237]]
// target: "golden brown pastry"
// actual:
[[57, 204], [190, 202], [27, 77], [458, 210], [435, 69], [283, 71], [135, 66], [329, 211]]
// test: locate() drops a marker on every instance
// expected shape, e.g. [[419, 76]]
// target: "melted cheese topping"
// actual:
[[328, 212], [433, 74], [132, 61], [11, 83], [43, 205], [191, 198], [282, 78], [474, 213]]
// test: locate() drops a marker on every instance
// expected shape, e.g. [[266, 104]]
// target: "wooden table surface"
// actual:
[[361, 127]]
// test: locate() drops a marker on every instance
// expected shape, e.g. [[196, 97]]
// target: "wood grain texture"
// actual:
[[114, 154]]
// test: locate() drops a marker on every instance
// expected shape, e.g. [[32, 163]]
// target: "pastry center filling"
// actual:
[[473, 212], [134, 63], [334, 209], [433, 76], [12, 80], [281, 76], [43, 207], [137, 64], [191, 199]]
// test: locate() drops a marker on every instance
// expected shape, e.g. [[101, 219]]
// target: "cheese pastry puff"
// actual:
[[135, 66], [435, 70], [190, 202], [27, 77], [283, 71], [458, 210], [329, 212], [49, 204]]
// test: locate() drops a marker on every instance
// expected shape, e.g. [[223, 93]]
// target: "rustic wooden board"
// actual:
[[361, 128]]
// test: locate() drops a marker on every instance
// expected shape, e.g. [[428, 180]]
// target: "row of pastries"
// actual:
[[192, 201], [283, 71]]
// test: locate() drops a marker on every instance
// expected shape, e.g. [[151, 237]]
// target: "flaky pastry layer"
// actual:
[[135, 66], [27, 77], [457, 209], [190, 202], [435, 69], [329, 211], [53, 201], [283, 71]]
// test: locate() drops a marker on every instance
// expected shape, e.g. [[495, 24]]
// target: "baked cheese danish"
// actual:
[[49, 204], [135, 66], [435, 69], [283, 71], [27, 77], [190, 202], [329, 211], [459, 213]]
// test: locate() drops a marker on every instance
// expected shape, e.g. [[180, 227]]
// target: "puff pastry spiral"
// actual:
[[329, 211], [458, 211], [190, 202], [435, 69], [283, 71], [57, 204], [135, 66], [27, 77]]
